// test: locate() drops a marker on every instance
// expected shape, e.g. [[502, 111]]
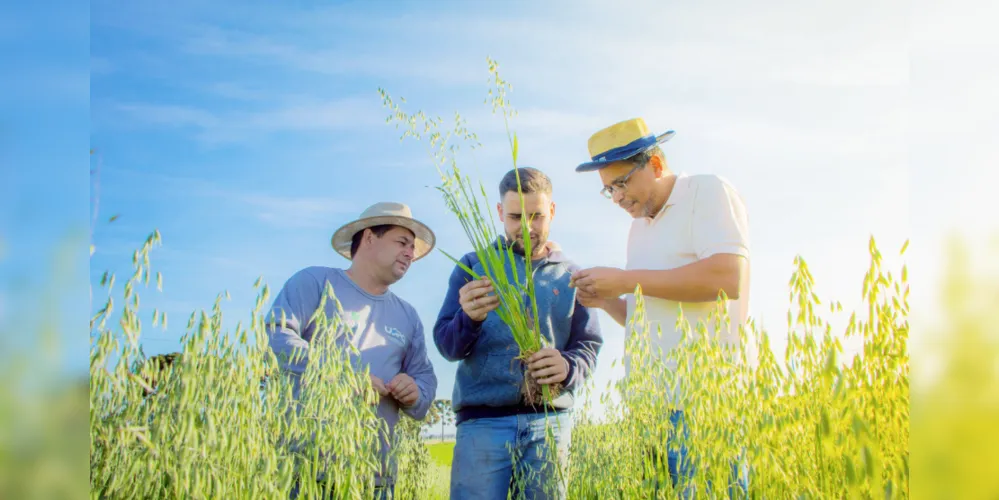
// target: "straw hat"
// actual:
[[396, 214], [620, 142]]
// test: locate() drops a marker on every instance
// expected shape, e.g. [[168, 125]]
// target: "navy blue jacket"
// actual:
[[489, 378]]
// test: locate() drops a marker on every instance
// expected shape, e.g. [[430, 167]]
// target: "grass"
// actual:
[[442, 452], [436, 483], [220, 421], [206, 426], [814, 427], [438, 479]]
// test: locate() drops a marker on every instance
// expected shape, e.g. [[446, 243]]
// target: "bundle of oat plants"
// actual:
[[518, 305]]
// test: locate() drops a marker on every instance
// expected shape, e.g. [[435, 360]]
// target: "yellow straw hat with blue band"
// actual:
[[620, 142]]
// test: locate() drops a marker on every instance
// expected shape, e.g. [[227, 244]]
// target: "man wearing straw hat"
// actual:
[[386, 330], [689, 241]]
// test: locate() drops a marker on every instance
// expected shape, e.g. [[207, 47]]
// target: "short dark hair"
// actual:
[[642, 159], [356, 240], [158, 364], [532, 180]]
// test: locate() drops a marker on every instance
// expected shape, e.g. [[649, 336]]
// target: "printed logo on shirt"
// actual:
[[395, 335], [352, 321]]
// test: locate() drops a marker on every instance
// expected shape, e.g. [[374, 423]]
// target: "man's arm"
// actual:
[[720, 237], [699, 281], [584, 344], [417, 365], [617, 308], [295, 304], [454, 331]]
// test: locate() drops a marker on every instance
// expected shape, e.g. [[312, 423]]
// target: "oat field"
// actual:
[[218, 420]]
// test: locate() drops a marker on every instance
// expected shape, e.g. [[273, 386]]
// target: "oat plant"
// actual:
[[515, 288], [813, 426], [222, 420]]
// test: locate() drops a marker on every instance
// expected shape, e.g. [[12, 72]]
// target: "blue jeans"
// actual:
[[681, 465], [385, 492], [496, 456]]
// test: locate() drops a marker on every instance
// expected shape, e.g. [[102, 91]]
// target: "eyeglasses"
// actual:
[[618, 184]]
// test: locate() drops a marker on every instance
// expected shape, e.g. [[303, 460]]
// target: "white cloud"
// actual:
[[287, 211], [296, 212], [961, 24], [354, 61], [215, 128], [276, 211], [235, 91], [589, 48], [746, 46], [169, 115]]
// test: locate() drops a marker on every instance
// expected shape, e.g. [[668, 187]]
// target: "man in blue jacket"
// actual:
[[500, 441]]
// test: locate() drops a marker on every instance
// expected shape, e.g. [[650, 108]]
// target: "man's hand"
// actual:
[[599, 282], [404, 389], [379, 385], [587, 299], [379, 388], [547, 366], [475, 301]]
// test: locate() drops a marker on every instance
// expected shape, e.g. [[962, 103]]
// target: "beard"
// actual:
[[518, 243]]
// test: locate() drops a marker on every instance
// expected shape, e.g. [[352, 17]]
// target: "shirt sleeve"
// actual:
[[416, 364], [288, 325], [585, 341], [720, 224], [454, 332]]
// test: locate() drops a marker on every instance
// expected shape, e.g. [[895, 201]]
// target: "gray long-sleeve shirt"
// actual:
[[386, 331]]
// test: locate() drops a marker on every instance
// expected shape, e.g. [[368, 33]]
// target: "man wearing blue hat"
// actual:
[[689, 241]]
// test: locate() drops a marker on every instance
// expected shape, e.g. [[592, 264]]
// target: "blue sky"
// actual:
[[248, 134], [44, 96]]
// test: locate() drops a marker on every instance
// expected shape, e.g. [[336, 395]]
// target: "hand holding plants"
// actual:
[[379, 386], [404, 389], [548, 366], [598, 283], [475, 301]]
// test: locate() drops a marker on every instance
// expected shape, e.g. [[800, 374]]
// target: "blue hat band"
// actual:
[[628, 150]]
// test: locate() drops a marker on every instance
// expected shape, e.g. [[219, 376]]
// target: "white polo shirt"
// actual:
[[703, 216]]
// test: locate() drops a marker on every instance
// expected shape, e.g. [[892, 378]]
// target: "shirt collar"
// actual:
[[677, 195], [555, 252]]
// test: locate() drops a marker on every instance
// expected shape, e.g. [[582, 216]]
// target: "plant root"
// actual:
[[532, 391]]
